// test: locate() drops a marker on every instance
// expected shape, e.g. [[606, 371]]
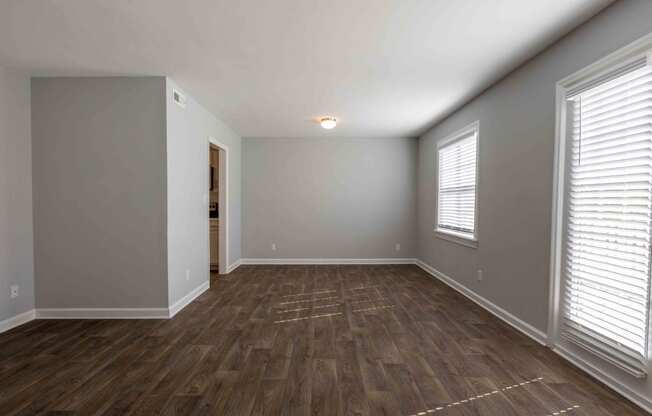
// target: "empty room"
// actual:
[[339, 207]]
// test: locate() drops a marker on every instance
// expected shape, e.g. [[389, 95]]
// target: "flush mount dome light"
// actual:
[[328, 122]]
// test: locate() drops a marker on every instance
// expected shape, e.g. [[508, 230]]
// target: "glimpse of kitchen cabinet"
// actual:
[[214, 174], [215, 242]]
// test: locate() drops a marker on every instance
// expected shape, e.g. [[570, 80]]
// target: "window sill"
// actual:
[[456, 238]]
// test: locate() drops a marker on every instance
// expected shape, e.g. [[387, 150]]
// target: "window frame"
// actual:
[[460, 238], [620, 58]]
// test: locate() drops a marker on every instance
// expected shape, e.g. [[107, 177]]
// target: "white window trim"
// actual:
[[624, 55], [450, 235]]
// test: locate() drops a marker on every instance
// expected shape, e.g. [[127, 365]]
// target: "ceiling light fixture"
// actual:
[[328, 122]]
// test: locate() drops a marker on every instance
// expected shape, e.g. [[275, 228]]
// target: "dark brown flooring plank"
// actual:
[[157, 398], [325, 397]]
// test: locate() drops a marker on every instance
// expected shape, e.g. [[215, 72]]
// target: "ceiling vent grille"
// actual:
[[179, 98]]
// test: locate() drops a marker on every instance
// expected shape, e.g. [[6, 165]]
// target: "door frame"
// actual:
[[223, 203]]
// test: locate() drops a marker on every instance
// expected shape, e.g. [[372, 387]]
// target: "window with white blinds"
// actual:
[[606, 290], [457, 164]]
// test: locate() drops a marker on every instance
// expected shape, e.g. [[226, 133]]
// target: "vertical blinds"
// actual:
[[456, 196], [607, 245]]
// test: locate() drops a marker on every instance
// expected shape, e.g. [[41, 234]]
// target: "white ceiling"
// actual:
[[268, 67]]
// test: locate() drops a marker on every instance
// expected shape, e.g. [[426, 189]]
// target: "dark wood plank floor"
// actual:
[[298, 340]]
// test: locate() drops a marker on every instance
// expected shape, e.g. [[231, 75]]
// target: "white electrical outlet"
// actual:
[[273, 246], [14, 291], [480, 275], [187, 274], [398, 246]]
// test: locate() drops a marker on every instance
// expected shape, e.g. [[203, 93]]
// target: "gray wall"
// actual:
[[329, 198], [517, 133], [16, 242], [188, 130], [99, 196]]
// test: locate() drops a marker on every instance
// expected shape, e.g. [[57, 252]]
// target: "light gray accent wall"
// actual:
[[517, 135], [329, 198], [516, 142], [188, 131], [99, 192], [16, 236]]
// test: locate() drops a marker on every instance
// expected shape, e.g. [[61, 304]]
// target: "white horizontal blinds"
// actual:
[[607, 286], [456, 197]]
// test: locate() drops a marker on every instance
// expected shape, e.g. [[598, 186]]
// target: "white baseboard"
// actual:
[[604, 377], [122, 313], [233, 266], [17, 320], [522, 326], [102, 313], [271, 261], [185, 301]]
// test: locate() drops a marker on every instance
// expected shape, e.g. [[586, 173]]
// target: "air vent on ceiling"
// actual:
[[179, 98]]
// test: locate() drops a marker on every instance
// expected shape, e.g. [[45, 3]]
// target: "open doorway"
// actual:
[[218, 207]]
